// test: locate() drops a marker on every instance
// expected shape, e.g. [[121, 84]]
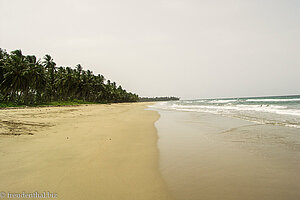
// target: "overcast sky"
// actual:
[[186, 48]]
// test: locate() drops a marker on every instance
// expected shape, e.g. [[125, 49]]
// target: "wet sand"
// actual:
[[81, 152], [211, 157]]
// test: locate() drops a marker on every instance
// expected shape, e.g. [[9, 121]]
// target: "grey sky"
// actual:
[[186, 48]]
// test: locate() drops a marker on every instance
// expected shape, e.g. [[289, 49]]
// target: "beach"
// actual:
[[150, 100], [81, 152], [141, 151]]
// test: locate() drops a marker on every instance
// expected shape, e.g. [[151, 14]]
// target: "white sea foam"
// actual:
[[271, 100], [191, 102], [292, 125], [284, 114], [222, 101], [257, 108]]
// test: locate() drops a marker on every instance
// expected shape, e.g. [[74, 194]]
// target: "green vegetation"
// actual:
[[26, 80], [53, 103], [147, 99]]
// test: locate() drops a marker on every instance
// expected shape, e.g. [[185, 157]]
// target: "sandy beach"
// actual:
[[122, 151], [81, 152]]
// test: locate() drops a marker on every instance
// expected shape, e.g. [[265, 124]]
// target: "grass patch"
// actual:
[[53, 103]]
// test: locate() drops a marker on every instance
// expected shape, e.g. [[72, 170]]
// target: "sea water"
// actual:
[[276, 110]]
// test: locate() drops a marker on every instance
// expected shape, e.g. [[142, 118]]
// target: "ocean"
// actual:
[[276, 110]]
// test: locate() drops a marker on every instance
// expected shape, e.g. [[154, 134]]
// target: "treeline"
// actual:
[[146, 99], [24, 79]]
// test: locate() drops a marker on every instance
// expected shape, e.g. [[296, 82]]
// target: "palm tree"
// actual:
[[15, 80], [3, 56], [36, 73], [69, 83], [25, 79], [49, 65]]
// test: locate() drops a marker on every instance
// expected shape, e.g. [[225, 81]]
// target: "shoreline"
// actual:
[[83, 152]]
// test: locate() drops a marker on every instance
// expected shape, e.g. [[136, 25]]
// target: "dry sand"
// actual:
[[81, 152]]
